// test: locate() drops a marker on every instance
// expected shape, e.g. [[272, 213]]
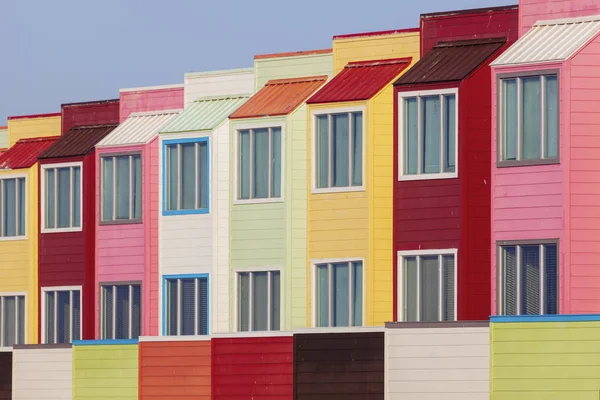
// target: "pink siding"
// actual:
[[151, 204], [531, 11], [150, 100]]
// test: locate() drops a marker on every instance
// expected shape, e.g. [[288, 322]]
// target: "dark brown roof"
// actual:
[[451, 61], [78, 141]]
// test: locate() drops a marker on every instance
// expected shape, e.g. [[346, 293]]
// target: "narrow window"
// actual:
[[187, 306], [62, 315], [187, 176], [62, 197], [121, 187], [259, 298], [12, 207], [339, 294], [259, 158], [121, 311], [12, 320]]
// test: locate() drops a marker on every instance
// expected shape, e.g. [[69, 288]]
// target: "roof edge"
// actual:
[[561, 21], [38, 139], [222, 97], [471, 42], [219, 72], [299, 53], [470, 11], [149, 88], [92, 126], [297, 80], [32, 116], [376, 33], [148, 113], [90, 103], [373, 63]]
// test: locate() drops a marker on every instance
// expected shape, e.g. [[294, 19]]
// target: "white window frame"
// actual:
[[2, 216], [400, 135], [313, 151], [349, 260], [400, 279], [114, 219], [236, 162], [114, 285], [236, 282], [178, 306], [43, 309], [13, 294], [197, 142], [45, 167]]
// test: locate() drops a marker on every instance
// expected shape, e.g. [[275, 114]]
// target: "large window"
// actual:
[[186, 306], [121, 188], [187, 176], [259, 159], [427, 286], [12, 320], [12, 207], [121, 311], [428, 133], [339, 150], [528, 279], [259, 298], [339, 294], [62, 197], [529, 118], [62, 315]]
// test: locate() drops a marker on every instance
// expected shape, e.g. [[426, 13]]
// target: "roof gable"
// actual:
[[77, 141], [138, 128], [25, 152]]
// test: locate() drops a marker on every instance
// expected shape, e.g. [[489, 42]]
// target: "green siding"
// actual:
[[292, 67], [3, 138]]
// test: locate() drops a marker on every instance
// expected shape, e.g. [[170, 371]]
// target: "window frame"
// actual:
[[420, 176], [44, 291], [42, 194], [499, 286], [2, 216], [13, 294], [400, 280], [313, 150], [236, 312], [114, 155], [101, 286], [499, 123], [165, 279], [164, 144]]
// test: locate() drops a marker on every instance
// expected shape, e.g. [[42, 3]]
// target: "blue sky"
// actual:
[[63, 51]]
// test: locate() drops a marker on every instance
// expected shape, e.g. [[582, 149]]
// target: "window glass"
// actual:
[[123, 187], [322, 296], [10, 207], [551, 117], [429, 289], [260, 158], [531, 111], [510, 119], [449, 134], [63, 316], [187, 173], [12, 320], [50, 198], [244, 160], [187, 306], [410, 293], [339, 294], [431, 134], [107, 188], [276, 162], [322, 151], [259, 301], [339, 150], [411, 136], [62, 197], [244, 302]]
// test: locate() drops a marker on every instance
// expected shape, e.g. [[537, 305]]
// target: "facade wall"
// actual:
[[156, 98], [218, 83], [28, 127], [6, 372], [41, 372], [92, 113], [151, 217], [291, 66], [3, 137], [531, 11]]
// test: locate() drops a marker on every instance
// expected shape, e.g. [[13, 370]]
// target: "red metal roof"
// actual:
[[279, 97], [2, 151], [78, 141], [360, 80], [293, 53], [25, 152]]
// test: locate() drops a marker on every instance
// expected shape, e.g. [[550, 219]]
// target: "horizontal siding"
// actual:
[[152, 239], [62, 261], [120, 252], [291, 67], [217, 84], [150, 100], [26, 128], [186, 244], [6, 371], [531, 11], [42, 373]]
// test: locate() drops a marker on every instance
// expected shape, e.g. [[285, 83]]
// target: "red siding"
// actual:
[[252, 368], [92, 113]]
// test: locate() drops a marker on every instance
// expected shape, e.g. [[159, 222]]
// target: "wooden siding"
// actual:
[[218, 83], [26, 128], [291, 67], [42, 373], [339, 366], [252, 368], [92, 113], [4, 138], [175, 370], [149, 99], [531, 11], [151, 291], [6, 372], [449, 363]]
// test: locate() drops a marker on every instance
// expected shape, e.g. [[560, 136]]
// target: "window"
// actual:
[[62, 315], [529, 118], [339, 294], [259, 175], [186, 175], [428, 132], [186, 306], [121, 311], [12, 320], [12, 207], [339, 150], [428, 287], [259, 301], [528, 279], [62, 197], [121, 187]]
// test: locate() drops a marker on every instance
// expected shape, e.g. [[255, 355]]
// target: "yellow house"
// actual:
[[350, 166], [19, 226]]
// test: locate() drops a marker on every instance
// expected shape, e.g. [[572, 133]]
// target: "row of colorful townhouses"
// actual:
[[411, 214]]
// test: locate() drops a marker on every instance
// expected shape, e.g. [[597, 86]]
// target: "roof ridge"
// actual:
[[470, 42], [92, 126], [376, 33], [373, 63], [297, 53], [283, 81], [223, 97], [565, 21], [38, 139], [90, 103], [156, 112]]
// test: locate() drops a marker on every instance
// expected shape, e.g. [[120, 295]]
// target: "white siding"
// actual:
[[218, 83], [42, 373], [438, 363]]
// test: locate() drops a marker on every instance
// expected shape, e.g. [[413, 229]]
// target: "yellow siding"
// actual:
[[24, 128]]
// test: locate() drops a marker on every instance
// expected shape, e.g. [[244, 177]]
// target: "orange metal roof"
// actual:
[[293, 53], [279, 97], [25, 152]]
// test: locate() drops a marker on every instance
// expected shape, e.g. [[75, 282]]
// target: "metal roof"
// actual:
[[139, 128], [25, 152], [279, 97], [360, 81], [451, 61], [78, 141], [551, 41], [205, 114]]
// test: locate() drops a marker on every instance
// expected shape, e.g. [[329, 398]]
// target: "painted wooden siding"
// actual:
[[152, 229], [531, 11], [449, 363], [6, 371], [92, 113], [252, 368], [42, 373], [33, 127], [105, 372], [175, 370], [154, 98], [218, 83], [291, 67], [3, 138]]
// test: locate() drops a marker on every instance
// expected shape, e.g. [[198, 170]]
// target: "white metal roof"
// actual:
[[139, 128], [551, 41]]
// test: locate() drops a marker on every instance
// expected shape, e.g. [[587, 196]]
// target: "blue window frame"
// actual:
[[186, 176], [186, 305]]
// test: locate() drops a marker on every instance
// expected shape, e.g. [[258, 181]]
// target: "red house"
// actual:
[[442, 165], [67, 205]]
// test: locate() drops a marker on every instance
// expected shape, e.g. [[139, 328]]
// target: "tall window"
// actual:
[[121, 311], [62, 197], [529, 118], [186, 306], [339, 294], [62, 313], [12, 207], [428, 134], [339, 150], [12, 320], [259, 297], [428, 287], [259, 163], [528, 279], [121, 188], [187, 176]]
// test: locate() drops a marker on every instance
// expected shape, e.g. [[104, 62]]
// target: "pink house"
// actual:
[[152, 98]]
